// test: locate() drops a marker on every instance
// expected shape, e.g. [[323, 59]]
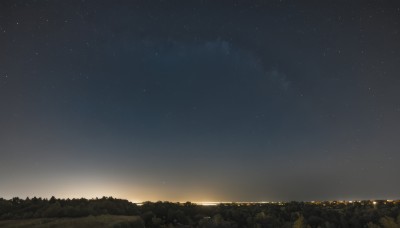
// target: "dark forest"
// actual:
[[329, 214]]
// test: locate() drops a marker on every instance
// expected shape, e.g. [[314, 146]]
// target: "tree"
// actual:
[[300, 222], [388, 222]]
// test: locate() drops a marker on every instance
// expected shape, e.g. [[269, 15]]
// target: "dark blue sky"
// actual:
[[200, 100]]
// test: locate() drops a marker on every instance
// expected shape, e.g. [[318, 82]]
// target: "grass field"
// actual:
[[91, 221]]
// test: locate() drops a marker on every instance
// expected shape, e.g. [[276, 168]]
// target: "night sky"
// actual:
[[200, 100]]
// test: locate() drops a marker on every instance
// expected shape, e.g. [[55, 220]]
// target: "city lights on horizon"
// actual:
[[215, 203], [374, 202]]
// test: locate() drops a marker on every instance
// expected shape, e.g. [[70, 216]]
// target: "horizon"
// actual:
[[213, 203]]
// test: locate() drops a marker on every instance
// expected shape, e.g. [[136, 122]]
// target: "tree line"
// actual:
[[368, 214]]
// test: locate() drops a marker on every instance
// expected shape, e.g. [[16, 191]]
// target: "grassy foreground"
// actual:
[[115, 221]]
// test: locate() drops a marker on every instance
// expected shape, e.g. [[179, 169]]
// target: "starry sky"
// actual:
[[200, 100]]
